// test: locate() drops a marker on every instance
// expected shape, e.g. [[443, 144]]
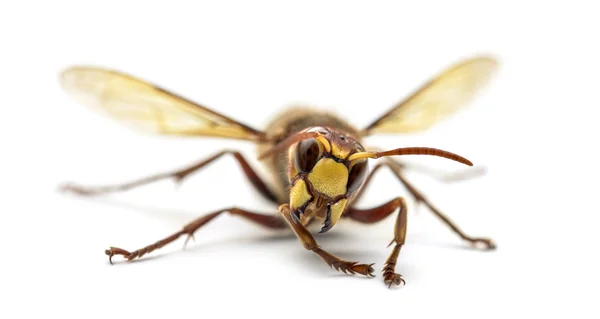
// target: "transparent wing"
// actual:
[[435, 101], [147, 107]]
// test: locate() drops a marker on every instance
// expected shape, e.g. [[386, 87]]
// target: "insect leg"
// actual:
[[309, 242], [397, 170], [376, 214], [269, 221], [178, 175]]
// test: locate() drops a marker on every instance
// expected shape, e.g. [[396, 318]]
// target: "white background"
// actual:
[[534, 131]]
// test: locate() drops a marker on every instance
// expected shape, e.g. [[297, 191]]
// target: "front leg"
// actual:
[[376, 214], [268, 221], [309, 242]]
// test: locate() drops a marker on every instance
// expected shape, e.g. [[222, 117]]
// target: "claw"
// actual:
[[393, 278], [371, 270], [327, 223], [488, 243], [364, 269], [110, 255], [116, 251]]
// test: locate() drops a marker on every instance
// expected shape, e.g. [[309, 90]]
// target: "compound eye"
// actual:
[[306, 155], [357, 176]]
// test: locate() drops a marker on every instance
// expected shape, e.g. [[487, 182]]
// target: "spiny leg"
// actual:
[[377, 214], [309, 242], [396, 168], [178, 175], [269, 221]]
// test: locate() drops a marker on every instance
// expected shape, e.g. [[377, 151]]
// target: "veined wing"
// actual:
[[147, 107], [437, 100]]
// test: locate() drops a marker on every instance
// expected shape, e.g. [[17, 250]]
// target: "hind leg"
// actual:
[[397, 169], [178, 175]]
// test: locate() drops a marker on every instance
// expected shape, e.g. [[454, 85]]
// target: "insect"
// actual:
[[318, 165]]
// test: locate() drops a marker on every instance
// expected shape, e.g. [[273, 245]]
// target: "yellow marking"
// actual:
[[329, 177], [337, 209], [360, 155], [339, 152], [299, 194], [324, 142]]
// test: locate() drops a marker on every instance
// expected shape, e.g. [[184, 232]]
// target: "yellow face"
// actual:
[[322, 177]]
